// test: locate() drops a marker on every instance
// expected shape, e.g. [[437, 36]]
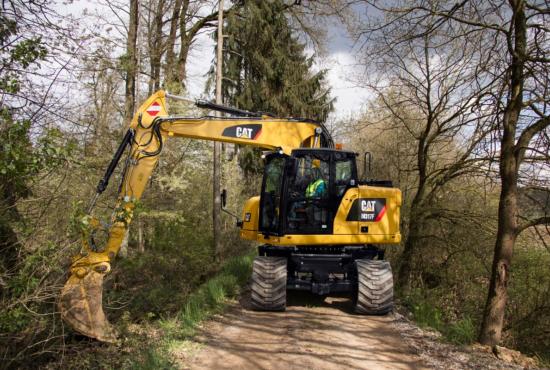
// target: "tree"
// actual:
[[426, 84], [265, 66], [187, 19], [265, 69], [131, 62], [518, 40], [526, 94], [19, 158]]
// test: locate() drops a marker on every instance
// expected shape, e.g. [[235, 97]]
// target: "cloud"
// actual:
[[342, 76]]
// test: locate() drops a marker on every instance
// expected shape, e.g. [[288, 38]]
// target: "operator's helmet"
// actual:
[[316, 168]]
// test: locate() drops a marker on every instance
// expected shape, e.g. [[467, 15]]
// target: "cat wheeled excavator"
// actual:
[[319, 227]]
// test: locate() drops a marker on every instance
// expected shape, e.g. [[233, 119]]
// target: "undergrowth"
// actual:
[[427, 315], [209, 299]]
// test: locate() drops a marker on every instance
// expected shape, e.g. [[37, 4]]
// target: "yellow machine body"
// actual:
[[345, 232]]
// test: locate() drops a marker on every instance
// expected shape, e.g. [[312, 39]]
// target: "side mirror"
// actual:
[[367, 169], [223, 196]]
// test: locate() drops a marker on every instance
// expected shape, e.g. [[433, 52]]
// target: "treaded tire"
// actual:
[[374, 294], [269, 283]]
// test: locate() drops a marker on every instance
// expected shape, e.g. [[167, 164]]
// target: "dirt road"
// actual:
[[311, 334]]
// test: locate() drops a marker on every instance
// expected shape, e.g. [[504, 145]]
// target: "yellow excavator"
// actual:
[[319, 226]]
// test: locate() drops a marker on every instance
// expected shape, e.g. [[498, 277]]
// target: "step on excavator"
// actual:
[[319, 228]]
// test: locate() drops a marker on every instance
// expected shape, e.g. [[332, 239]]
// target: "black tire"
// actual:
[[374, 295], [269, 283]]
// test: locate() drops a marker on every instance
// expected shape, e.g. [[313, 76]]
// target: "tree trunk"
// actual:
[[493, 317], [170, 66], [404, 275], [131, 67], [216, 214], [9, 215], [8, 245], [415, 215], [181, 71], [141, 244], [156, 48]]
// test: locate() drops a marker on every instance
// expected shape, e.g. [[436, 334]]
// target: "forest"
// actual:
[[455, 111]]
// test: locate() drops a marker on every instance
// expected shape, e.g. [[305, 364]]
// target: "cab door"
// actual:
[[270, 197], [308, 193]]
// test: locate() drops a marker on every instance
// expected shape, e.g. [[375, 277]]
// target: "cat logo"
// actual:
[[249, 132], [367, 210], [244, 132], [367, 205]]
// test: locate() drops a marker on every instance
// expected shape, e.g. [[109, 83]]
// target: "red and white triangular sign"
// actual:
[[153, 109]]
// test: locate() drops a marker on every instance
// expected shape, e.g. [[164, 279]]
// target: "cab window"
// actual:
[[343, 176], [308, 202]]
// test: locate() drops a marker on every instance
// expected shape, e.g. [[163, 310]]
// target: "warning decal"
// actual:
[[153, 109], [367, 210]]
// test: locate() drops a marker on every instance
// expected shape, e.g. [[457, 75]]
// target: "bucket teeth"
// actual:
[[81, 306]]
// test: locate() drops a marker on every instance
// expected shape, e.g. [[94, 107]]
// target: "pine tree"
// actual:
[[266, 67]]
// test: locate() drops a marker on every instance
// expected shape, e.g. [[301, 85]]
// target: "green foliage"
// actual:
[[20, 55], [424, 312], [152, 358], [14, 319], [528, 309], [427, 313], [210, 297], [461, 332], [266, 69], [20, 159]]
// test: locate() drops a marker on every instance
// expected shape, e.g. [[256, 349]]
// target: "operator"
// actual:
[[318, 187]]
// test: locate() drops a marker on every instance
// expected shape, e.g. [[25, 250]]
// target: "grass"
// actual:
[[209, 299], [426, 314], [153, 358]]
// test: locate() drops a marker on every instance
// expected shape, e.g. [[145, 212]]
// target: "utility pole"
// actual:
[[131, 86], [216, 219]]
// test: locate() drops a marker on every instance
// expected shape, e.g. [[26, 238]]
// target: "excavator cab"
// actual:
[[301, 192]]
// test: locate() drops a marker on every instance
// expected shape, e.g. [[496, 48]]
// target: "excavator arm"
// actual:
[[80, 302]]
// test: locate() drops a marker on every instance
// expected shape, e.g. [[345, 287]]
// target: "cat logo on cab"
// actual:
[[367, 210]]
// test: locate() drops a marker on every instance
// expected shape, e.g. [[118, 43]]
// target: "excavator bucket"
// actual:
[[81, 306]]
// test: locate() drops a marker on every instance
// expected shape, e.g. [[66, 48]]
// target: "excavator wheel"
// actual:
[[269, 283], [374, 295]]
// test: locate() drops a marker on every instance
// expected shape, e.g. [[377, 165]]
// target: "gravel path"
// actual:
[[314, 334]]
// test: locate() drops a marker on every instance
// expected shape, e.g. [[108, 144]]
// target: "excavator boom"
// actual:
[[80, 302]]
